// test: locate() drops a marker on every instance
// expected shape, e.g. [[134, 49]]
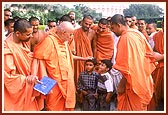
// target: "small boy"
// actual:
[[87, 85], [105, 85]]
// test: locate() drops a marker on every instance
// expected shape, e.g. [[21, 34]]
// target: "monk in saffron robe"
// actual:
[[158, 74], [83, 40], [104, 42], [135, 89], [18, 83], [38, 35], [56, 61], [142, 28]]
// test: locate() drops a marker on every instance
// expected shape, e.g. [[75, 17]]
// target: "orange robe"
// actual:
[[83, 49], [58, 62], [18, 95], [137, 69], [158, 74], [104, 45], [145, 34]]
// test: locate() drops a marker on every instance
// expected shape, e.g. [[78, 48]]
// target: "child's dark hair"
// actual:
[[93, 60], [108, 63]]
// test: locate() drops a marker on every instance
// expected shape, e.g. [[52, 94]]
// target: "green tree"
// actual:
[[144, 11], [84, 10]]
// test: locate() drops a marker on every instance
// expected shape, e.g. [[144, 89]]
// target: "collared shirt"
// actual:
[[105, 83], [87, 81]]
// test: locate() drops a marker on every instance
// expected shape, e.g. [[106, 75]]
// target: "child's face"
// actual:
[[89, 66], [102, 68]]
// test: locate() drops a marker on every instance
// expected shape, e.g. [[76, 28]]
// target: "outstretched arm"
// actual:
[[155, 56], [82, 58]]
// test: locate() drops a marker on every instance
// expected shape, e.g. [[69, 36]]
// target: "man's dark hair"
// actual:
[[118, 19], [103, 21], [142, 19], [88, 17], [127, 16], [21, 25], [108, 63], [33, 19], [65, 18], [7, 9], [71, 12], [7, 22], [154, 24], [92, 60], [16, 18]]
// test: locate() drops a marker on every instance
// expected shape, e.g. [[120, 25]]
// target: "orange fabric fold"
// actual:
[[83, 49], [57, 58], [145, 34], [158, 74], [18, 95], [105, 45], [136, 68]]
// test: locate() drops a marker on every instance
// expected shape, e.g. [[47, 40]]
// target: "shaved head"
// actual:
[[66, 26], [65, 30]]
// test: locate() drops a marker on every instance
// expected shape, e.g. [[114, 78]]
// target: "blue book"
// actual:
[[46, 86]]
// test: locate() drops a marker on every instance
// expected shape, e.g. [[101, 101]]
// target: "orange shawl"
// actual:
[[136, 68], [105, 45], [158, 74], [18, 95], [159, 44]]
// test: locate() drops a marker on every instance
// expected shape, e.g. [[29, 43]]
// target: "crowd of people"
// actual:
[[114, 65]]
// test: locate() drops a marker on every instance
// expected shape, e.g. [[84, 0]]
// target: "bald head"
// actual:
[[66, 26], [65, 30]]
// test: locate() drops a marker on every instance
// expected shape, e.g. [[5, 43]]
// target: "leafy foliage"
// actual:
[[47, 12], [144, 11]]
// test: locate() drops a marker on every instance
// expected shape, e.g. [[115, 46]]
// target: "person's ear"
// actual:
[[119, 25], [17, 33]]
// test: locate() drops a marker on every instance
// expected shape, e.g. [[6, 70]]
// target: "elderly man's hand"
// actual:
[[32, 79]]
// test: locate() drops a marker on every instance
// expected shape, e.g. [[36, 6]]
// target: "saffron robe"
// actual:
[[137, 69], [18, 95], [83, 49], [104, 45], [58, 61], [158, 74], [145, 34]]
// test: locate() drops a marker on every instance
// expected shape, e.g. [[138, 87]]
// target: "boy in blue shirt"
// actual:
[[87, 85]]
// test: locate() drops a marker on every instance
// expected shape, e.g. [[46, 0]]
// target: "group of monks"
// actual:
[[30, 54]]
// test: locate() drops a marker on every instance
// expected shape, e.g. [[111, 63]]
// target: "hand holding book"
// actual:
[[45, 85], [31, 79]]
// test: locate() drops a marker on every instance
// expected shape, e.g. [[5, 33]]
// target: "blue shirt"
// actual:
[[87, 81]]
